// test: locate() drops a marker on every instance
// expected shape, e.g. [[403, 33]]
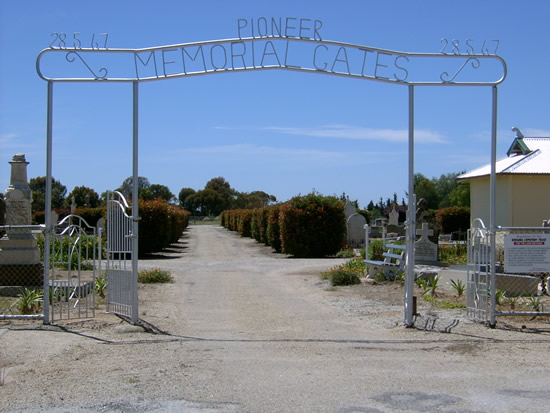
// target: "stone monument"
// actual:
[[19, 254], [425, 250], [355, 226], [356, 231]]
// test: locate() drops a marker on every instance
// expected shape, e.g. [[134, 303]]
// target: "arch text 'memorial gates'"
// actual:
[[275, 43]]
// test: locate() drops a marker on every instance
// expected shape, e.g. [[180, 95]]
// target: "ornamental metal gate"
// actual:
[[121, 260], [479, 272], [75, 268]]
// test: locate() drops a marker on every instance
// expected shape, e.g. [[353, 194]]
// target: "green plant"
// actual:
[[312, 226], [376, 250], [343, 277], [155, 275], [356, 265], [500, 296], [101, 286], [512, 302], [432, 284], [29, 301], [459, 287], [345, 254], [535, 303]]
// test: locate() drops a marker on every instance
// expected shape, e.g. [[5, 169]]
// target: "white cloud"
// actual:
[[360, 133], [265, 154], [537, 133]]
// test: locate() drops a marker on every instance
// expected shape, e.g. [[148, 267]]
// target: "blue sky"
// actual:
[[282, 132]]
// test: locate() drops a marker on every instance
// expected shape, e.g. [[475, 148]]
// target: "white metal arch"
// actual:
[[242, 54]]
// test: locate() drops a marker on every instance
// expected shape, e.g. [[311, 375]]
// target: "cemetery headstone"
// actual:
[[425, 250], [349, 209], [356, 230], [19, 253], [394, 217]]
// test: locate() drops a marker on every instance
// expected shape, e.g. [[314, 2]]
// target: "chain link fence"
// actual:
[[21, 270]]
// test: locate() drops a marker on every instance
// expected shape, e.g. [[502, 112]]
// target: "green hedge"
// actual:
[[273, 230], [160, 225], [312, 226], [305, 226]]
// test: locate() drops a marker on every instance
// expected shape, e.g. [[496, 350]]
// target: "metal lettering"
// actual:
[[324, 68], [212, 57], [184, 53], [288, 27], [233, 54], [275, 28], [303, 28], [137, 56], [167, 62], [286, 56], [262, 19], [241, 24], [380, 65], [310, 55], [273, 53], [318, 25], [336, 59], [367, 51], [395, 63]]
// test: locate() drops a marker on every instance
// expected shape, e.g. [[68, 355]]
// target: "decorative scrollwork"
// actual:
[[70, 58], [445, 75]]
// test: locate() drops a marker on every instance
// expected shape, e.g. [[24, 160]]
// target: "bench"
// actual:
[[394, 261]]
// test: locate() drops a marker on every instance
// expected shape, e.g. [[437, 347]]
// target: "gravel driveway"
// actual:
[[246, 330]]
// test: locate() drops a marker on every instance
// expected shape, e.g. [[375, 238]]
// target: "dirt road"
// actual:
[[246, 330]]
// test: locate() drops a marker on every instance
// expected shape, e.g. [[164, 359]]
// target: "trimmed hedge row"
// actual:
[[161, 224], [310, 226]]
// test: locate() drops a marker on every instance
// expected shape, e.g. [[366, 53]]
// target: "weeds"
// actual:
[[500, 296], [343, 277], [155, 275], [535, 303]]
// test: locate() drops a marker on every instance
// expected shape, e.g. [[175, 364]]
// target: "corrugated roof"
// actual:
[[537, 161]]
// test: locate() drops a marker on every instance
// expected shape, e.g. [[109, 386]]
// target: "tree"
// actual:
[[224, 191], [127, 186], [182, 196], [83, 197], [156, 191], [427, 190], [207, 202], [38, 188], [460, 196]]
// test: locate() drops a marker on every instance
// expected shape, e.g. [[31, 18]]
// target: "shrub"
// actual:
[[376, 250], [155, 275], [273, 231], [343, 277], [453, 219], [312, 226], [245, 219], [160, 225]]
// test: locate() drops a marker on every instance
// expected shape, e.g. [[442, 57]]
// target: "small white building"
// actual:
[[522, 184]]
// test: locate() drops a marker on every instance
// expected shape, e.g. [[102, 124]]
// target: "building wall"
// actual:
[[521, 200]]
